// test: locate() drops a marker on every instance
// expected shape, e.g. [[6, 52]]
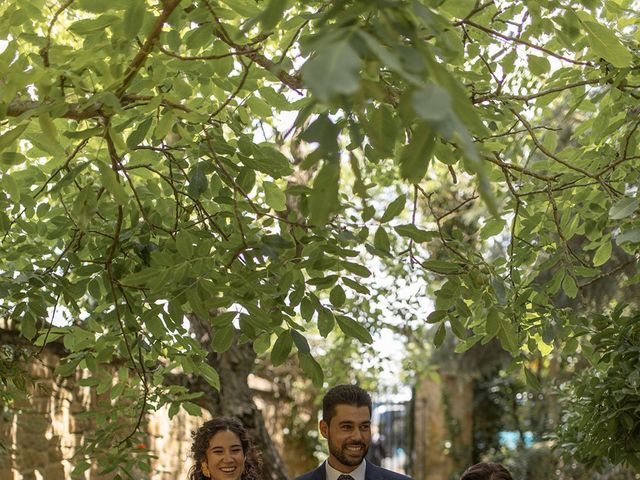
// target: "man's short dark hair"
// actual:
[[344, 395], [486, 471]]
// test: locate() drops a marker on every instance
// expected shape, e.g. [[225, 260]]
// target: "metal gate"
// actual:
[[392, 436]]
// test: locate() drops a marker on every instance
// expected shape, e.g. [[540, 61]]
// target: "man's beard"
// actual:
[[338, 451]]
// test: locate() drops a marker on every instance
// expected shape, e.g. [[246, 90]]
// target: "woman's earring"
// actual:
[[205, 470]]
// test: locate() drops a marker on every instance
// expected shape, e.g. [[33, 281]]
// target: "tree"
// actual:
[[149, 184]]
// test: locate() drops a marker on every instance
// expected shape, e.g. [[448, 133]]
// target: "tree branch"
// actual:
[[138, 61]]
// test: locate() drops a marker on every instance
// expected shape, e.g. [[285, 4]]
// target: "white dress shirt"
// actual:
[[357, 474]]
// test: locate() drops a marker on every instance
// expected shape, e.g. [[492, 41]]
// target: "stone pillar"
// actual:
[[443, 435]]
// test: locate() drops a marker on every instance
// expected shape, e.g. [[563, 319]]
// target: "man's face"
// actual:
[[349, 435]]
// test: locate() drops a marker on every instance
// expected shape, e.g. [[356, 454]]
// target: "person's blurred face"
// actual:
[[225, 457], [349, 435]]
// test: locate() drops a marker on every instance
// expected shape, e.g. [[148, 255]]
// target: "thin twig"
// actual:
[[520, 169], [524, 42], [204, 57], [609, 273], [538, 94], [44, 52], [235, 92]]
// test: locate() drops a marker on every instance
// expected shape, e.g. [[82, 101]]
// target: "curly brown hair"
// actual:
[[486, 471], [201, 437]]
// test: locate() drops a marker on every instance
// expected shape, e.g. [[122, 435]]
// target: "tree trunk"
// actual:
[[235, 397]]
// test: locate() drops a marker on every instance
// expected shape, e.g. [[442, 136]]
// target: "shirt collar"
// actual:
[[357, 474]]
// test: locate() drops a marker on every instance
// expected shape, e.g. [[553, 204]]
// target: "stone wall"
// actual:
[[42, 431]]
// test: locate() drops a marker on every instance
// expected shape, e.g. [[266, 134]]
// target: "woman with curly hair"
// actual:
[[222, 450], [486, 471]]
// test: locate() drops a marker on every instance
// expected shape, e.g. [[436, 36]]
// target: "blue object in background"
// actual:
[[510, 439]]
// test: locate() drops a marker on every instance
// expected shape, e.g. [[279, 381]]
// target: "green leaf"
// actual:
[[246, 8], [457, 327], [384, 55], [300, 341], [164, 125], [532, 380], [140, 278], [270, 161], [87, 26], [333, 70], [198, 182], [441, 266], [110, 182], [10, 159], [151, 319], [80, 467], [457, 8], [311, 368], [603, 253], [492, 324], [274, 197], [190, 407], [53, 335], [604, 43], [281, 348], [353, 329], [11, 187], [7, 138], [139, 134], [394, 209], [50, 135], [355, 286], [68, 368], [323, 200], [326, 322], [262, 344], [210, 375], [569, 286], [381, 240], [414, 233], [184, 244], [382, 129], [337, 296], [492, 227], [629, 236], [325, 132], [441, 333], [508, 337], [133, 17], [224, 319], [436, 316], [223, 338], [416, 155], [623, 208], [259, 107], [432, 103], [538, 65], [307, 309], [28, 326], [468, 343]]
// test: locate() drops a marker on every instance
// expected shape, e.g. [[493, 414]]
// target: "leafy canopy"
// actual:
[[220, 159]]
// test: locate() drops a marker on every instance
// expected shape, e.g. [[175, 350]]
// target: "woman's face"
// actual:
[[225, 458]]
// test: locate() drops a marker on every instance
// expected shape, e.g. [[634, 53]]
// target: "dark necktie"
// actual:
[[345, 477]]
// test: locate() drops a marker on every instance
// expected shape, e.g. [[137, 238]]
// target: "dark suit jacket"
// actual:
[[372, 472]]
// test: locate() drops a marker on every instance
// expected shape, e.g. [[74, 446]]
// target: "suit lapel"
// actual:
[[321, 472], [371, 472]]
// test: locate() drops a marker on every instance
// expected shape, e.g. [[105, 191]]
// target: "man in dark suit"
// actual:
[[346, 424]]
